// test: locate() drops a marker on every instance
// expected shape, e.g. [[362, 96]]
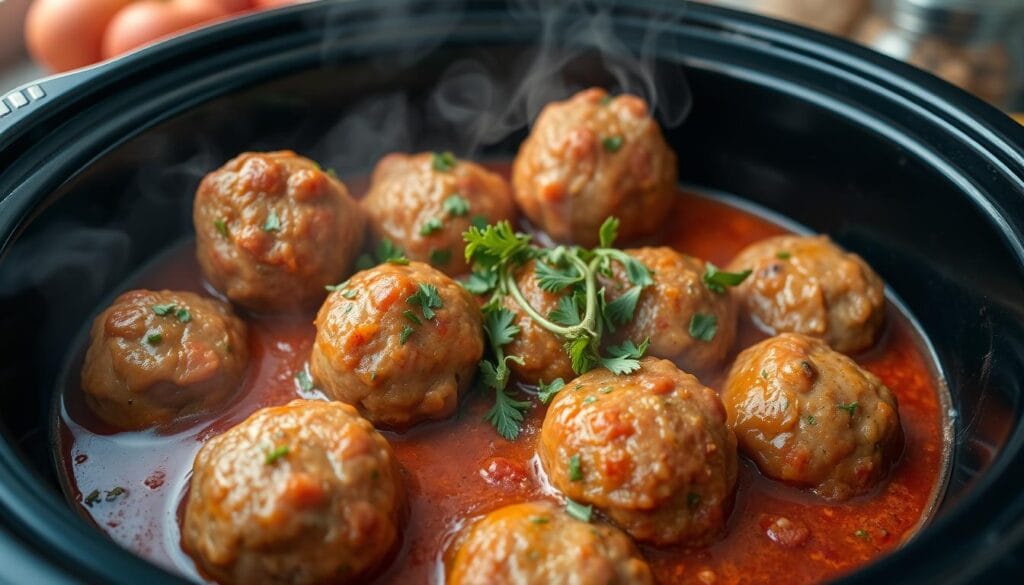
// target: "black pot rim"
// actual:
[[47, 142]]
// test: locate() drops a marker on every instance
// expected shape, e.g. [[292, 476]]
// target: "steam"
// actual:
[[477, 103]]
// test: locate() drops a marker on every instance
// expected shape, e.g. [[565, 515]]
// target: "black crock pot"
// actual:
[[97, 171]]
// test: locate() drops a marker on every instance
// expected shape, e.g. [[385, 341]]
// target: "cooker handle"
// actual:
[[19, 103]]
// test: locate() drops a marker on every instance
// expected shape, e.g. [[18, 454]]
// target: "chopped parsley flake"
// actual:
[[183, 315], [850, 408], [222, 227], [273, 223], [411, 317], [783, 255], [862, 534], [612, 143], [455, 205], [703, 327], [575, 470], [590, 400], [717, 280], [276, 453], [427, 299], [539, 519], [154, 338], [579, 511], [92, 498], [443, 161], [349, 293], [304, 380], [431, 226], [407, 332], [811, 420]]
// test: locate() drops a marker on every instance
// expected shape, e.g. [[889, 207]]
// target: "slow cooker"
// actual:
[[98, 168]]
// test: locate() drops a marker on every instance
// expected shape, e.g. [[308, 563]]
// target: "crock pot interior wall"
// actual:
[[848, 171]]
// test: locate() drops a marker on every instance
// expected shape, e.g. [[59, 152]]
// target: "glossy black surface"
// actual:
[[924, 181]]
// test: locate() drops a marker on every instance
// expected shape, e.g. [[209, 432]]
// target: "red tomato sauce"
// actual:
[[458, 469]]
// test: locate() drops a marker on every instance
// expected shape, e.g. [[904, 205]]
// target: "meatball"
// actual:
[[686, 321], [542, 352], [424, 202], [809, 285], [272, 230], [650, 449], [298, 494], [809, 415], [537, 543], [158, 356], [590, 157], [401, 342]]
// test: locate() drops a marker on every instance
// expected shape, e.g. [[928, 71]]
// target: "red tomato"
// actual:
[[149, 20], [67, 34]]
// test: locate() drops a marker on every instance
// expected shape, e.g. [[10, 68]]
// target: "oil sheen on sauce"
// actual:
[[460, 468]]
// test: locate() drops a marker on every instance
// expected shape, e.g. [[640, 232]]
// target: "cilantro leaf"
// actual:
[[566, 313], [427, 298], [481, 282], [166, 309], [545, 392], [554, 279], [507, 414], [443, 161], [575, 468], [637, 272], [276, 453], [495, 244], [609, 232], [703, 327], [222, 227], [431, 226], [621, 310], [582, 354], [716, 280], [625, 358], [455, 205], [387, 251], [612, 143], [499, 324], [407, 332], [851, 408]]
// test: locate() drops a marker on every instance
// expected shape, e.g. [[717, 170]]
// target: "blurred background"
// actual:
[[976, 44]]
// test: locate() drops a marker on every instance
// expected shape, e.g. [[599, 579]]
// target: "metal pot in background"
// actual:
[[975, 44]]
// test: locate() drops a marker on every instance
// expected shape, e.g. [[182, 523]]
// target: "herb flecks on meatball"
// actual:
[[158, 356], [537, 543], [272, 229], [301, 494], [809, 415], [649, 449], [422, 204], [399, 341], [590, 157]]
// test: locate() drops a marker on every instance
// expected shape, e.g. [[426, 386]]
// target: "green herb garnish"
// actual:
[[507, 413], [304, 380], [222, 227], [407, 332], [579, 511], [783, 255], [276, 453], [612, 143], [154, 338], [411, 317], [717, 280], [539, 519], [546, 392], [811, 420], [273, 223], [862, 534], [427, 299], [850, 408], [115, 493], [455, 205], [443, 161], [575, 470], [431, 226], [92, 498], [703, 327]]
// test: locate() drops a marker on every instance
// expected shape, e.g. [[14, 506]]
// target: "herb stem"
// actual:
[[510, 284]]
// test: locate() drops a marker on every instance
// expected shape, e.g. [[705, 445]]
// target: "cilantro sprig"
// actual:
[[581, 318]]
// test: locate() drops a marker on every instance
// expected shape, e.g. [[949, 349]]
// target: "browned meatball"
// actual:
[[649, 449], [686, 321], [298, 494], [272, 230], [424, 202], [401, 342], [809, 285], [155, 357], [541, 351], [809, 415], [590, 157], [537, 543]]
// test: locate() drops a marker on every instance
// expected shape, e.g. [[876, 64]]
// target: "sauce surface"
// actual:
[[458, 469]]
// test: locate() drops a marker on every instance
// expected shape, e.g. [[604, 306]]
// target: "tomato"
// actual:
[[67, 34], [148, 20]]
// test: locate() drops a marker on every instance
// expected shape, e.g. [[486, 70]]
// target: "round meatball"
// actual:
[[650, 449], [401, 342], [537, 543], [809, 285], [424, 202], [155, 357], [594, 156], [272, 230], [686, 321], [298, 494], [809, 415], [542, 352]]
